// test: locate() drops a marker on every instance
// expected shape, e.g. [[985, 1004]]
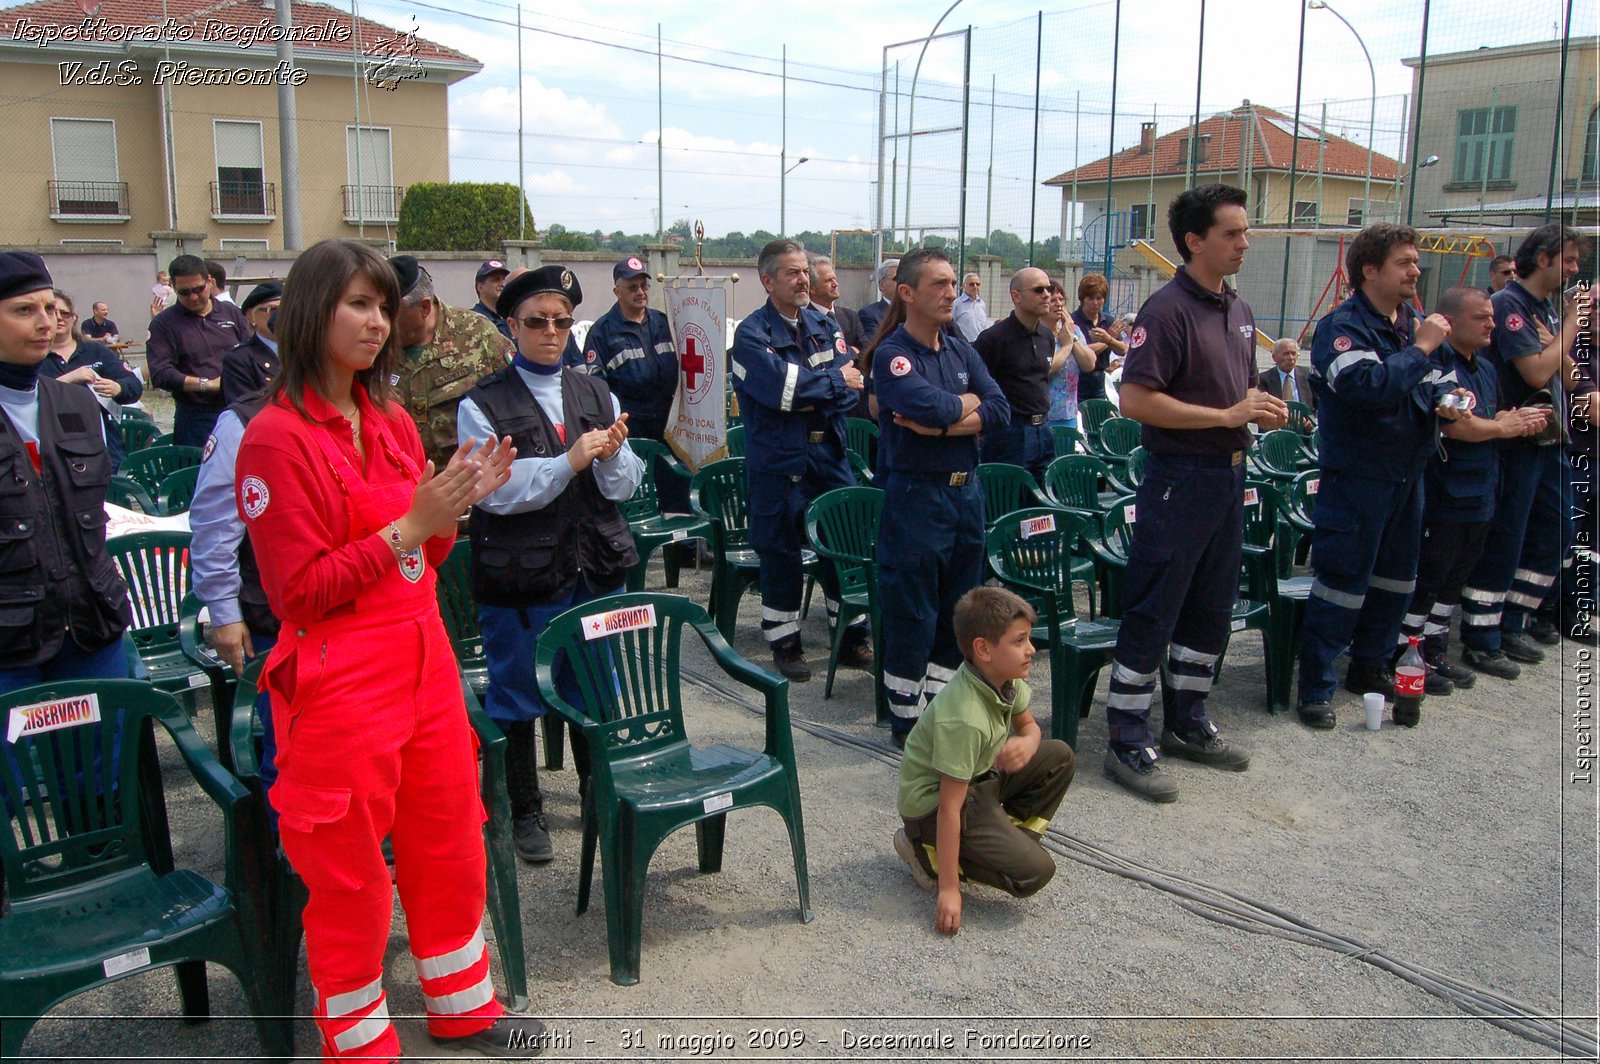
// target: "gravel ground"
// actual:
[[1461, 846]]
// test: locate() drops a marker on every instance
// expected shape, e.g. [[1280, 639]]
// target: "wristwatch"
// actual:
[[205, 383]]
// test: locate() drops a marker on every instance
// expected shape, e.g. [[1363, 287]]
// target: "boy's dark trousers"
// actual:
[[1004, 815]]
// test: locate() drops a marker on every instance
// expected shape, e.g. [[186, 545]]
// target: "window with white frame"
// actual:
[[241, 189], [244, 244], [84, 165], [370, 194]]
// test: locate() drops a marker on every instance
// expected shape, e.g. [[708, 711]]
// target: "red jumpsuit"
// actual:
[[375, 740]]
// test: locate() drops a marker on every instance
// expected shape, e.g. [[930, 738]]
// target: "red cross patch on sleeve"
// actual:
[[1341, 343], [1515, 323], [900, 365], [253, 496]]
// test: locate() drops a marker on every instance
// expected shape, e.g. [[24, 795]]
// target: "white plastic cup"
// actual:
[[1374, 706]]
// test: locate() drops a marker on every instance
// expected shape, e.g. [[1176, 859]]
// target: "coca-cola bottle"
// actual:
[[1409, 676]]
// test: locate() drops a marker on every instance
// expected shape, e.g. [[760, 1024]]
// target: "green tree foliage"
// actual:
[[560, 238], [460, 216]]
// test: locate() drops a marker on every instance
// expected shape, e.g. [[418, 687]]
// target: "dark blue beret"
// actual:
[[22, 272], [553, 278], [409, 270], [260, 294]]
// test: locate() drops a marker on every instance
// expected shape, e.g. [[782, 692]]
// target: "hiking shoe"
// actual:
[[1435, 683], [907, 850], [790, 661], [1318, 715], [1463, 678], [1369, 679], [1138, 770], [1544, 630], [1518, 647], [1491, 662], [530, 836], [899, 739], [1206, 747], [856, 650], [510, 1037]]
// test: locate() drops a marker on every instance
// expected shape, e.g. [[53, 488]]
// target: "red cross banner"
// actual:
[[697, 424]]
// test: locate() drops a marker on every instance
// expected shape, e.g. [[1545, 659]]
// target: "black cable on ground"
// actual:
[[1242, 912]]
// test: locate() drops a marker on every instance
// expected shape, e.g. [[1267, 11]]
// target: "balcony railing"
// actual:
[[89, 199], [244, 199], [372, 203]]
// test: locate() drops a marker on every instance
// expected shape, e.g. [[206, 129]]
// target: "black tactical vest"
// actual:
[[532, 558], [56, 578]]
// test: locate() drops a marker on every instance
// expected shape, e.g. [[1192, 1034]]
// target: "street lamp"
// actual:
[[783, 196], [1372, 110], [1431, 160]]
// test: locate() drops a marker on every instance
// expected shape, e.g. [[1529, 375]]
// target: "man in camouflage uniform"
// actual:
[[445, 351]]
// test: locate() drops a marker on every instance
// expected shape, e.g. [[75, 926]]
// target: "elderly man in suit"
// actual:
[[1286, 380]]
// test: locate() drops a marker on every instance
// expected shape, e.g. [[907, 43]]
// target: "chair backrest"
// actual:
[[842, 526], [1136, 460], [1073, 480], [1116, 527], [176, 490], [155, 566], [246, 727], [718, 491], [1119, 436], [1300, 498], [72, 780], [1301, 420], [1093, 413], [133, 413], [861, 436], [1278, 452], [736, 441], [136, 434], [153, 464], [1034, 551], [1006, 488], [1260, 513], [457, 607], [645, 502], [1068, 440], [129, 494]]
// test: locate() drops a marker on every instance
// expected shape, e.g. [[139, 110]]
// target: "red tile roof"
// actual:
[[1271, 151], [307, 16]]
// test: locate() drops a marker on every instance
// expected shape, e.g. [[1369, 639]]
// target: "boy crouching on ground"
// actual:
[[978, 784]]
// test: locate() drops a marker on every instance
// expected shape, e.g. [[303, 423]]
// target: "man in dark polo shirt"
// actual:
[[100, 327], [1020, 357], [185, 349], [1189, 378]]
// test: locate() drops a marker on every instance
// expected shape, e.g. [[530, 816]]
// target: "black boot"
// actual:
[[530, 833]]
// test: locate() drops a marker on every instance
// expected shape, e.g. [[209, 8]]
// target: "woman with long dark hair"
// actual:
[[348, 520]]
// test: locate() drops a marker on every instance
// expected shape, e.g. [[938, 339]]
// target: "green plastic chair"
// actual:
[[288, 890], [649, 780], [1301, 419], [1068, 440], [1278, 455], [1036, 554], [138, 414], [1111, 553], [94, 894], [459, 611], [176, 491], [1073, 482], [861, 437], [154, 464], [130, 495], [1006, 489], [1092, 413], [842, 527], [1125, 479], [1266, 549], [1298, 504], [1118, 438], [192, 641], [155, 566], [651, 529], [718, 493], [136, 434], [735, 441]]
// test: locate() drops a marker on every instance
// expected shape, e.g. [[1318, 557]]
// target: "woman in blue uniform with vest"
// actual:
[[552, 536], [63, 607]]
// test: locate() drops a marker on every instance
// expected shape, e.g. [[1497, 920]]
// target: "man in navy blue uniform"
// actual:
[[1189, 378], [934, 398], [1378, 395], [489, 282], [1522, 555], [1459, 487], [631, 347], [249, 368], [797, 383]]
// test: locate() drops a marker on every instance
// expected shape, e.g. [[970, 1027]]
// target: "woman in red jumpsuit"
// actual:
[[348, 521]]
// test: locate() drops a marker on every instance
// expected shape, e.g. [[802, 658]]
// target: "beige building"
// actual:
[[1250, 147], [1491, 115], [128, 129]]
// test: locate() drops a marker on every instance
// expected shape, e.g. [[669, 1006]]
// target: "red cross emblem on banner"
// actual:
[[693, 362]]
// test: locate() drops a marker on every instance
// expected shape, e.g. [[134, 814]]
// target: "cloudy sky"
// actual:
[[588, 77]]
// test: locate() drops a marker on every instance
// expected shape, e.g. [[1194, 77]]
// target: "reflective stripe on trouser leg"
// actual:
[[1483, 601], [355, 1024], [1542, 547], [930, 553], [774, 538], [1365, 529], [1180, 585], [455, 984]]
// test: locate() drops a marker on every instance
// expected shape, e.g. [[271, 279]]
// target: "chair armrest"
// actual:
[[774, 688], [220, 785]]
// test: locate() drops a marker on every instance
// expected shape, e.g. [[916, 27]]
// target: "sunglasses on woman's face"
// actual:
[[540, 324]]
